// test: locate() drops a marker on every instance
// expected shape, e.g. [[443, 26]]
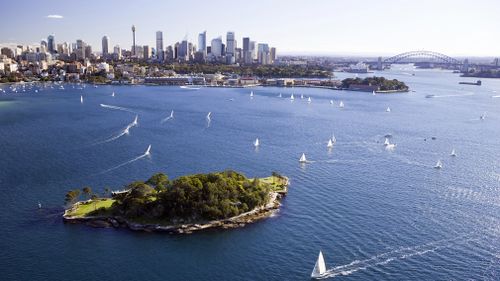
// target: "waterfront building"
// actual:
[[105, 46], [160, 54]]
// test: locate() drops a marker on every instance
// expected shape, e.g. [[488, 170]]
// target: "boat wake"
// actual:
[[497, 96], [395, 255], [451, 96], [145, 154], [117, 108], [189, 88], [124, 132]]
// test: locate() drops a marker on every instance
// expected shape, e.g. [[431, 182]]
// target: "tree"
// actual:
[[87, 191], [94, 200], [159, 181], [72, 196]]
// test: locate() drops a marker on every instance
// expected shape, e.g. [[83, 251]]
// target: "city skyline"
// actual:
[[319, 27]]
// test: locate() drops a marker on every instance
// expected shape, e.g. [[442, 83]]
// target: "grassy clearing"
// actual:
[[277, 184], [83, 209]]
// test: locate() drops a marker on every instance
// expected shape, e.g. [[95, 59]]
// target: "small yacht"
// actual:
[[280, 95], [386, 142], [331, 101], [483, 116], [81, 99], [135, 122], [309, 100], [319, 268], [388, 109], [453, 153], [341, 104], [301, 96], [292, 97], [113, 94], [39, 205], [330, 143], [373, 93], [303, 158], [251, 94], [439, 165], [333, 139], [148, 151], [256, 143]]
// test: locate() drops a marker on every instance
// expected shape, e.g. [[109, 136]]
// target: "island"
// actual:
[[188, 203], [374, 84]]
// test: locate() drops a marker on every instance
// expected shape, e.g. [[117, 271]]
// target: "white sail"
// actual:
[[292, 97], [280, 95], [320, 267], [330, 143], [251, 94], [135, 122], [113, 94], [256, 142], [303, 158], [333, 139], [341, 104], [453, 153], [309, 99], [302, 96], [148, 151], [208, 116], [81, 99], [439, 165], [171, 114], [386, 142], [373, 93], [331, 101], [388, 109]]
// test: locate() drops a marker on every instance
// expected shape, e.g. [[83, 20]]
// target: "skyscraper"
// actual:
[[263, 53], [105, 46], [159, 46], [273, 55], [133, 40], [247, 53], [202, 43], [230, 47], [51, 44], [146, 53], [184, 50], [216, 47]]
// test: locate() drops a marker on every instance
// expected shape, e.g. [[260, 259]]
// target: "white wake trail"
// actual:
[[125, 131], [117, 108], [398, 254], [145, 154]]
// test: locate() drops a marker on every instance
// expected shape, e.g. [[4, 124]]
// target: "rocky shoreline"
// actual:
[[233, 222]]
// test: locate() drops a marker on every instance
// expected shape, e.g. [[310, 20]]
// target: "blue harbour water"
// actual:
[[375, 214]]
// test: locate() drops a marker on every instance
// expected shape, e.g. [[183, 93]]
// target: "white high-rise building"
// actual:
[[105, 46], [264, 54], [216, 47], [117, 52], [202, 43], [230, 47], [160, 52]]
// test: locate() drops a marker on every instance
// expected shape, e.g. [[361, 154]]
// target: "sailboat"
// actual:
[[330, 143], [113, 94], [373, 93], [341, 104], [483, 116], [256, 143], [208, 116], [135, 122], [171, 115], [309, 99], [331, 101], [439, 165], [386, 142], [148, 151], [319, 268], [388, 109], [303, 158], [251, 94], [81, 99], [292, 97], [302, 96], [453, 153], [333, 139], [280, 96]]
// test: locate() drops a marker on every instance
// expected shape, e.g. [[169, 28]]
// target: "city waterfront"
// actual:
[[376, 214]]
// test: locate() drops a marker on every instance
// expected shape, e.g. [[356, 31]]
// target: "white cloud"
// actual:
[[55, 17]]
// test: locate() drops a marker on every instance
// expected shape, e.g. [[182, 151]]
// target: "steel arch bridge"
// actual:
[[422, 54]]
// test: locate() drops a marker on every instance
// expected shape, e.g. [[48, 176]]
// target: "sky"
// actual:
[[322, 27]]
